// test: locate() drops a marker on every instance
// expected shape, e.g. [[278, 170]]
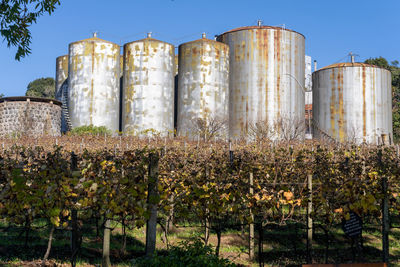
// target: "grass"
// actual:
[[283, 245]]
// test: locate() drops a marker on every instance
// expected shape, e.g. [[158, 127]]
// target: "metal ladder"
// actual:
[[62, 96], [65, 109]]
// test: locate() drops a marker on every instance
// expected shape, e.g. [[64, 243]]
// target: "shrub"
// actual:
[[186, 254], [90, 129]]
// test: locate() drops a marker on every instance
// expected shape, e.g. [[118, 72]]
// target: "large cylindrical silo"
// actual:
[[203, 88], [94, 77], [266, 81], [352, 102], [148, 87]]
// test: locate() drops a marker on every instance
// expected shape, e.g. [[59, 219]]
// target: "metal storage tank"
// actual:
[[353, 102], [61, 90], [148, 87], [176, 67], [121, 65], [121, 96], [203, 88], [176, 62], [61, 72], [94, 77], [266, 80]]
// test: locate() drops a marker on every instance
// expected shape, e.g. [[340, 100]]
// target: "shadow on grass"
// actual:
[[283, 245], [12, 245], [286, 246]]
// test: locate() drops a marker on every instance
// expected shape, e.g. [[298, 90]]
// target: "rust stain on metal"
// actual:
[[92, 84], [277, 40], [373, 78], [341, 120], [333, 103], [364, 111], [266, 56]]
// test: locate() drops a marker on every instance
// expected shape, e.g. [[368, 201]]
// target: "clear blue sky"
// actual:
[[369, 28]]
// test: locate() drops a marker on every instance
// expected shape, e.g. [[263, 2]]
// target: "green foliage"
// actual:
[[16, 16], [43, 87], [197, 179], [378, 61], [186, 254], [395, 70], [1, 95], [90, 129]]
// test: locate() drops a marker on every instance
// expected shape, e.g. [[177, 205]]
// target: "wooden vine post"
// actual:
[[385, 222], [309, 219], [385, 212], [207, 219], [74, 219], [170, 219], [251, 226], [152, 201], [106, 244]]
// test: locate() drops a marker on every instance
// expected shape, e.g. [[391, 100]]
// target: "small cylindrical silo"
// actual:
[[148, 87], [61, 72], [352, 102], [203, 88], [121, 65], [61, 91], [176, 62], [94, 78], [266, 81], [121, 89]]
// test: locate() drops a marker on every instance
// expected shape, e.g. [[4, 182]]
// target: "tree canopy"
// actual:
[[43, 87], [16, 16], [394, 68]]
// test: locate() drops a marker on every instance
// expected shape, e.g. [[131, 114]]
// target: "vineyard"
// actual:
[[309, 189]]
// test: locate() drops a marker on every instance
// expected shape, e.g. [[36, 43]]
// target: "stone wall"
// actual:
[[27, 117]]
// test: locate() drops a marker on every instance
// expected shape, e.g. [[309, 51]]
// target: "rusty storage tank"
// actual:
[[31, 116], [61, 72], [148, 87], [266, 80], [176, 59], [121, 96], [176, 62], [352, 102], [203, 88], [93, 83]]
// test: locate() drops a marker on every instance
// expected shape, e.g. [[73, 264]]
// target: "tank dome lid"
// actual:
[[61, 57], [93, 39], [260, 27], [148, 39], [349, 64], [204, 39]]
